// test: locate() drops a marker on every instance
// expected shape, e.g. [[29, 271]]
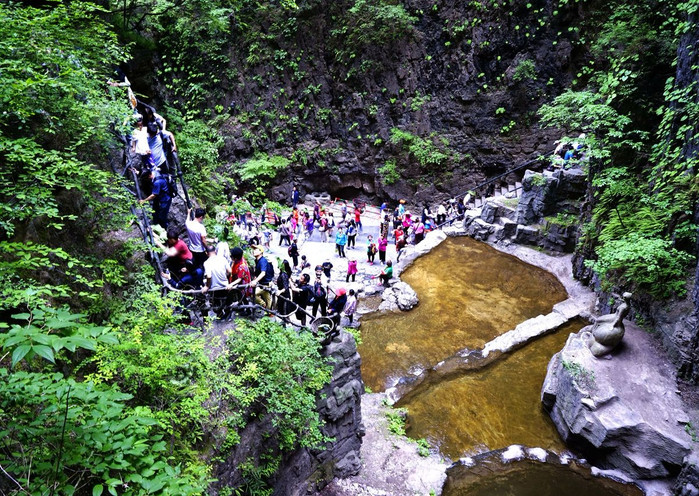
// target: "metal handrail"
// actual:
[[500, 176]]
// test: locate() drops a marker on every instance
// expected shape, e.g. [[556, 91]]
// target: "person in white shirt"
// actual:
[[216, 271], [196, 232], [139, 142]]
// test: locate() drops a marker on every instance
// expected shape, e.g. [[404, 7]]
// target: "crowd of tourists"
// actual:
[[285, 285]]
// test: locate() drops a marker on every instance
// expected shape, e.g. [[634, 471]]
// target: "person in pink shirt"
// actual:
[[383, 244], [351, 270]]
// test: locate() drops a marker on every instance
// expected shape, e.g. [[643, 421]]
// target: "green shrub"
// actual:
[[424, 150], [389, 172], [281, 371], [78, 436], [370, 23], [198, 145], [262, 168], [396, 420], [525, 71], [648, 264]]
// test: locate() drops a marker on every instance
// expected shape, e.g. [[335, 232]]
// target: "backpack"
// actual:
[[171, 184], [318, 291], [269, 271], [289, 251]]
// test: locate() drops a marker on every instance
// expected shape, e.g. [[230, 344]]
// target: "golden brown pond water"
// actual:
[[469, 293], [493, 407], [530, 478]]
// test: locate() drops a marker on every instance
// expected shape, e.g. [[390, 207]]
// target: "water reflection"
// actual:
[[493, 407], [469, 293], [531, 478]]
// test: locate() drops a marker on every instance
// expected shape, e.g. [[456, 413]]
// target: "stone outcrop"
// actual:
[[623, 413], [538, 197], [533, 221], [304, 470], [399, 297]]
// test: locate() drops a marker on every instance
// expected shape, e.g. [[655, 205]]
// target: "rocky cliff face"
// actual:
[[467, 77], [306, 470]]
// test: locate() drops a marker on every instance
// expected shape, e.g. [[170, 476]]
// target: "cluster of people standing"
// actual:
[[209, 266]]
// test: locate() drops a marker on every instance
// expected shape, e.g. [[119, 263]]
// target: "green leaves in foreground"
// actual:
[[282, 371], [59, 434], [49, 331]]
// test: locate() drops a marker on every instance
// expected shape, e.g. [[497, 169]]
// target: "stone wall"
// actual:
[[304, 470]]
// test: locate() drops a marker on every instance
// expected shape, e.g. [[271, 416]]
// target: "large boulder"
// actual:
[[623, 412], [399, 297], [538, 197]]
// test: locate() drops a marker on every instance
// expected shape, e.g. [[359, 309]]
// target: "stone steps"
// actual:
[[508, 191]]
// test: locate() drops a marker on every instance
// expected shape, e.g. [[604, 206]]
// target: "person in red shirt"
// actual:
[[398, 234], [241, 271], [358, 218], [177, 252]]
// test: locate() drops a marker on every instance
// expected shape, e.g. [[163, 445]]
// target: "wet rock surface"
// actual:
[[623, 412], [390, 464]]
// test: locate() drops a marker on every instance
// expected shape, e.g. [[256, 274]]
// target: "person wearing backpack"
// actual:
[[370, 250], [302, 294], [161, 199], [320, 294], [264, 275], [284, 233], [293, 252], [351, 234]]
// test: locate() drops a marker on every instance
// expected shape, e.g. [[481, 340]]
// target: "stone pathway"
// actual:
[[391, 465], [367, 282]]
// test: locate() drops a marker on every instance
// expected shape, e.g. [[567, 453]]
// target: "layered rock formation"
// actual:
[[624, 412]]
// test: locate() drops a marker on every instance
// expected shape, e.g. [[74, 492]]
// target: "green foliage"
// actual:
[[423, 447], [649, 264], [418, 101], [262, 168], [589, 112], [370, 23], [56, 111], [256, 477], [425, 151], [281, 371], [74, 436], [48, 332], [198, 145], [562, 219], [396, 420], [389, 172], [525, 71], [62, 433], [538, 179], [583, 377], [23, 270]]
